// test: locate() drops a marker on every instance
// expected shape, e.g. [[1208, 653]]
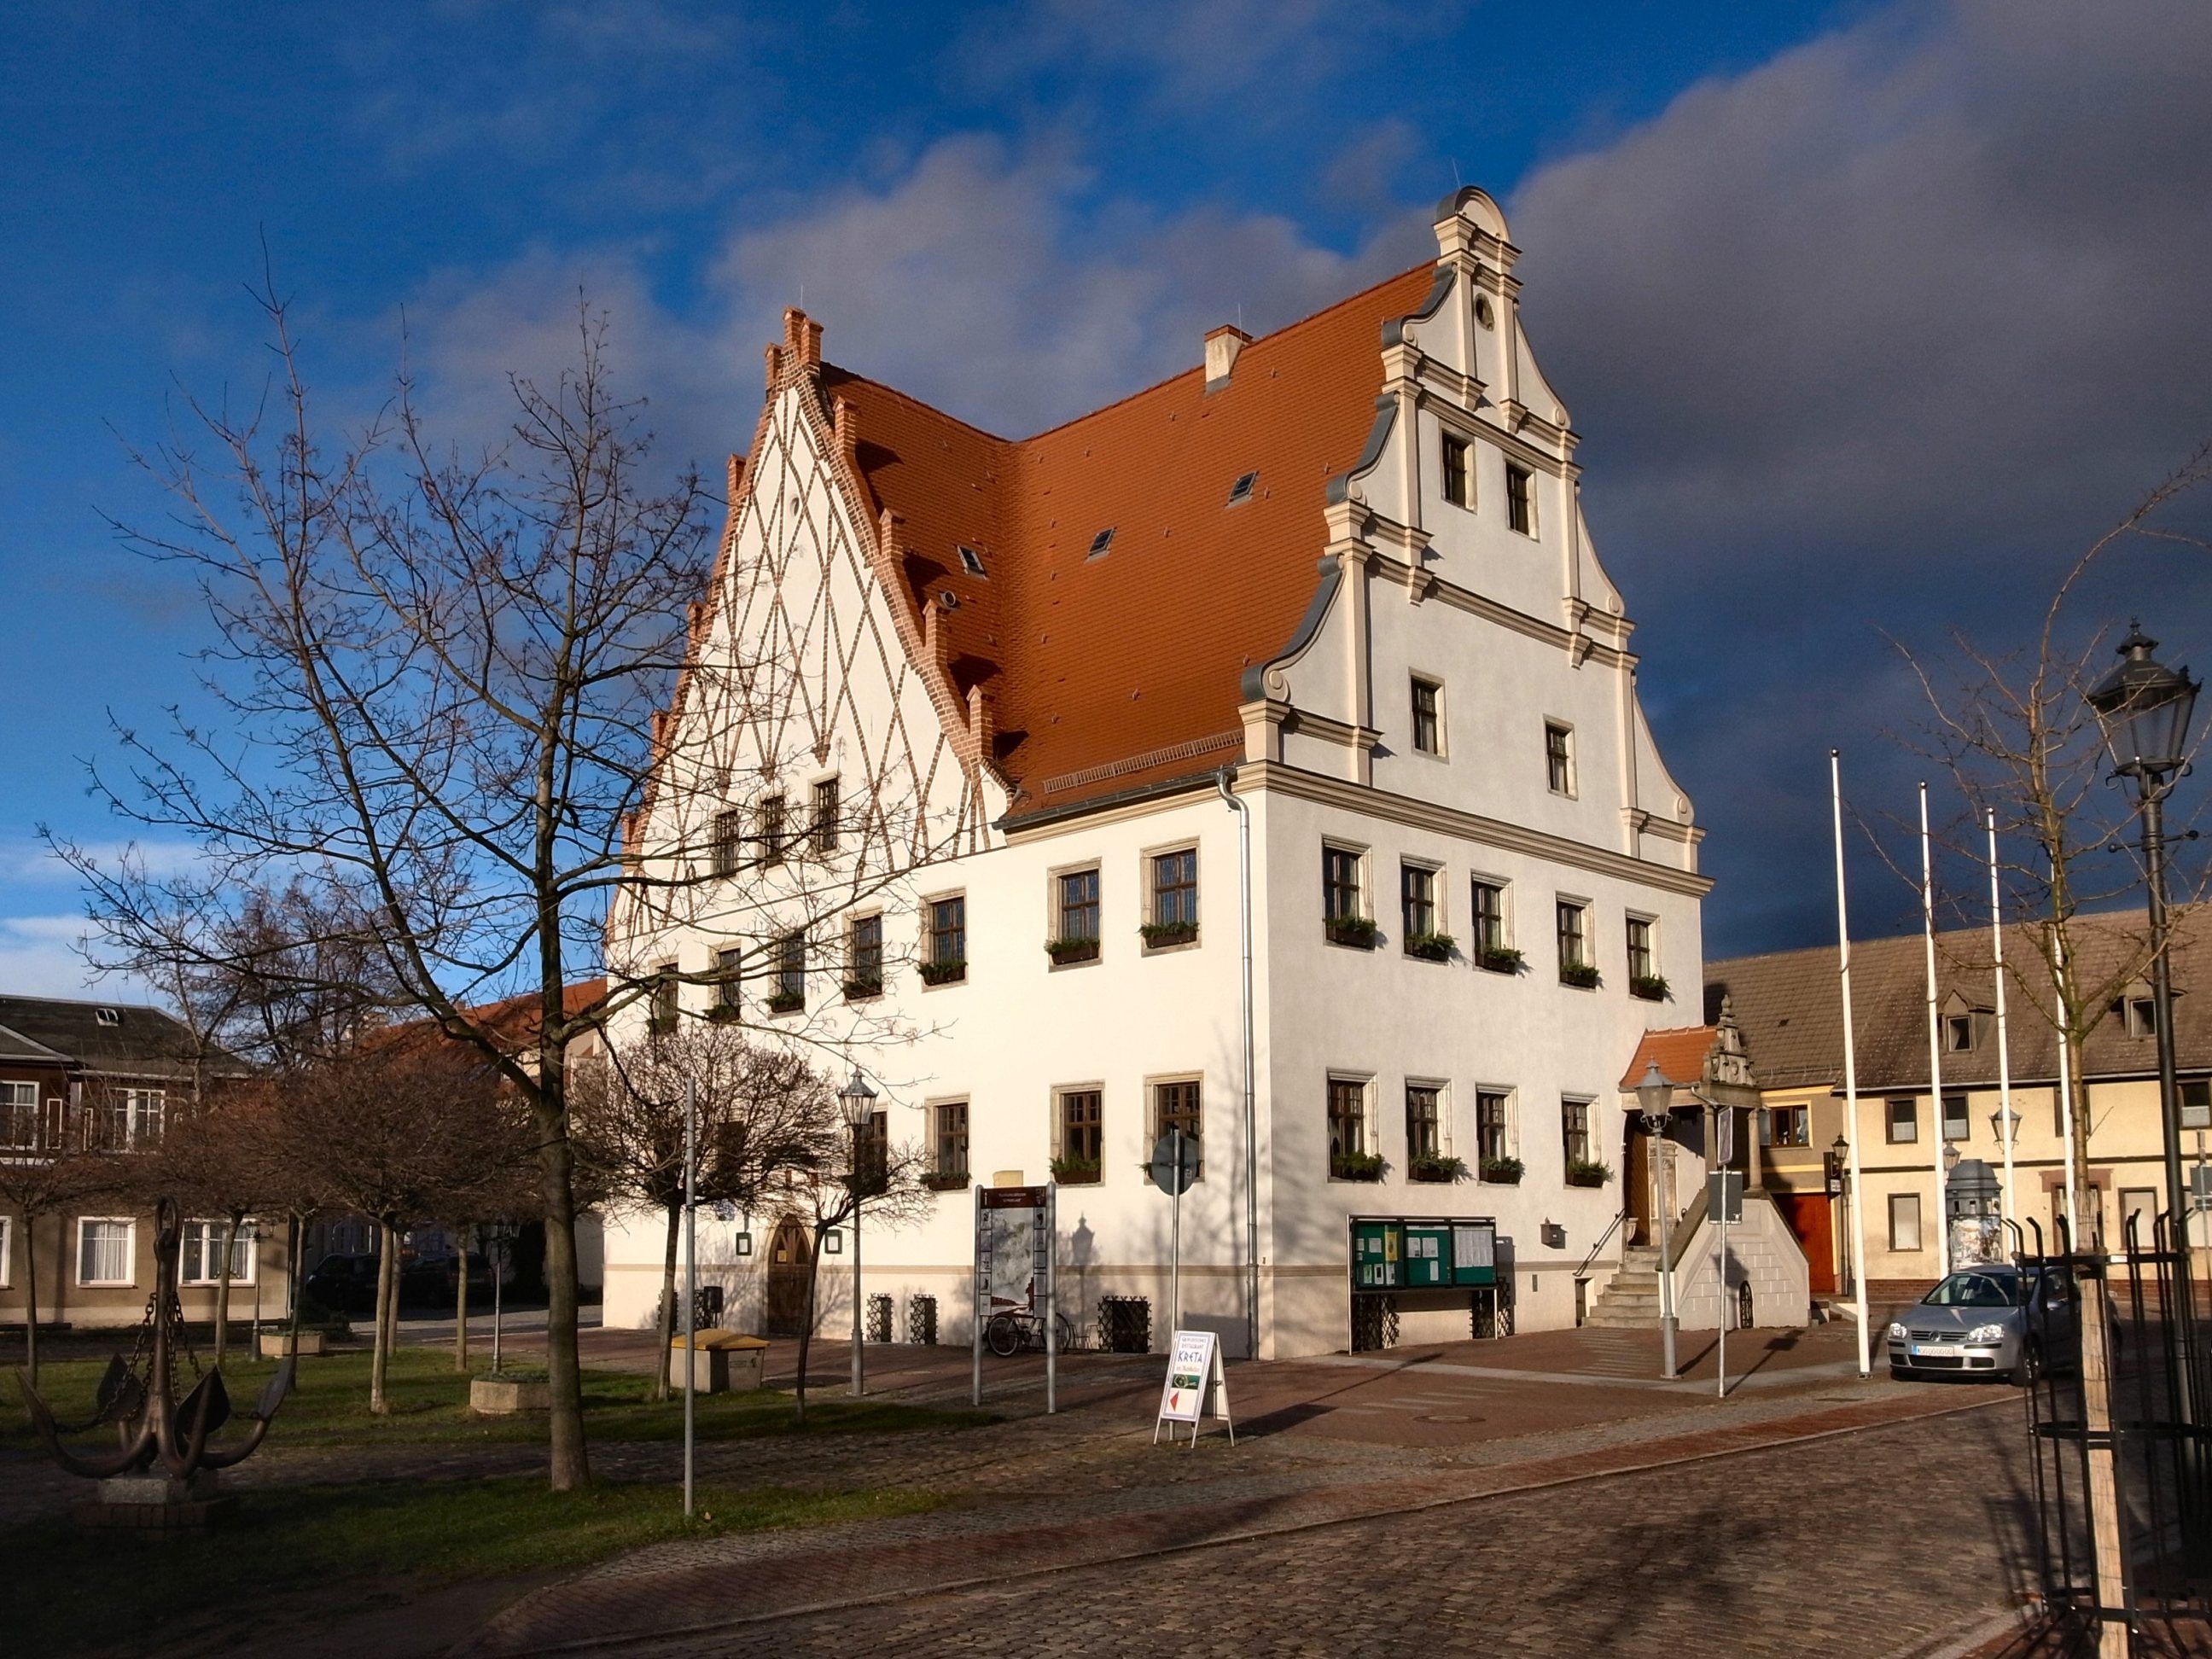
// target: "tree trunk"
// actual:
[[387, 1294], [31, 1296], [223, 1292], [666, 1320], [297, 1275], [461, 1301], [806, 1325], [569, 1463]]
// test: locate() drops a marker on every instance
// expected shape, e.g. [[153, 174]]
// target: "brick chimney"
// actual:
[[1222, 345]]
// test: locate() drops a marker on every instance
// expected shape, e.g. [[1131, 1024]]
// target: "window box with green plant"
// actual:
[[787, 1002], [661, 1026], [1501, 1171], [1355, 1166], [1435, 1166], [951, 972], [1652, 987], [1065, 951], [1500, 959], [945, 1181], [1359, 932], [1076, 1171], [1582, 975], [726, 1013], [859, 990], [1431, 947], [1581, 1172], [1161, 935]]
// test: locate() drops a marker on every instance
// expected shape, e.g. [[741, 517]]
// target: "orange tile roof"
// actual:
[[1094, 667], [1681, 1051]]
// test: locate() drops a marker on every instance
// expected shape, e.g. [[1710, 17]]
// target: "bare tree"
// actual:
[[45, 1174]]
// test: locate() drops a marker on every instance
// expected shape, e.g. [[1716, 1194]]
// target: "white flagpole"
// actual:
[[2007, 1127], [1850, 1075], [1935, 1035]]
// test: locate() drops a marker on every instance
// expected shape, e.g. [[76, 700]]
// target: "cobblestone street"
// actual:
[[1877, 1543]]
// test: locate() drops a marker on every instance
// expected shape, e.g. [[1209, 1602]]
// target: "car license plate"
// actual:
[[1936, 1350]]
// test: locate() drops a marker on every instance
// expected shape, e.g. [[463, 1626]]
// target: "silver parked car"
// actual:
[[1990, 1322]]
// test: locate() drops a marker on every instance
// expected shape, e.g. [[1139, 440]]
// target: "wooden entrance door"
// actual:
[[1636, 1183], [789, 1254], [1811, 1218]]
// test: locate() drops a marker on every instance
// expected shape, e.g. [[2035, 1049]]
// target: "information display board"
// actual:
[[1429, 1263], [1376, 1251]]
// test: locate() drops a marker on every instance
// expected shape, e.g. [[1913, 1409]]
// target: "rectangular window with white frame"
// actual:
[[1421, 912], [1571, 928], [1348, 1148], [1491, 926], [1493, 1128], [107, 1247], [1575, 1133], [1081, 1114], [19, 1115], [1904, 1222], [1458, 458], [203, 1244], [1559, 757], [1426, 697], [1075, 917], [1520, 499], [134, 1118], [1901, 1120], [864, 957], [1178, 1103], [7, 1252], [1425, 1142], [1643, 940], [1172, 898]]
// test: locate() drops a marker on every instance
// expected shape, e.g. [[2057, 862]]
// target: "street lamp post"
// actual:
[[2004, 1125], [1838, 1154], [1654, 1094], [858, 1101], [2144, 708]]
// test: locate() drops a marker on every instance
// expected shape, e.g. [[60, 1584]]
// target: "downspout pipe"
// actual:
[[1251, 1109]]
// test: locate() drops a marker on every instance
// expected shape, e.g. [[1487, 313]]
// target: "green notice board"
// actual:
[[1376, 1255], [1474, 1253], [1428, 1256]]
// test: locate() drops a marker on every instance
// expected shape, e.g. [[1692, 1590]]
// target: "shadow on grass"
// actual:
[[75, 1590]]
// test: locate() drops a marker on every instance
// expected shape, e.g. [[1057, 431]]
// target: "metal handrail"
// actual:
[[1605, 1237]]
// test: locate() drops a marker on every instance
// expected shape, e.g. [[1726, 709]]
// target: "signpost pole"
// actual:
[[690, 1284], [1174, 1248], [981, 1290], [1051, 1298]]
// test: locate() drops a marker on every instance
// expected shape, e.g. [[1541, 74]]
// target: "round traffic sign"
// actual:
[[1174, 1162]]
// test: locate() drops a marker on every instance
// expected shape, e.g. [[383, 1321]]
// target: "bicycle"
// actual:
[[1018, 1326]]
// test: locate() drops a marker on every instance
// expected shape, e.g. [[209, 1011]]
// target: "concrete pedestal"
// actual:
[[275, 1344], [503, 1396], [156, 1503]]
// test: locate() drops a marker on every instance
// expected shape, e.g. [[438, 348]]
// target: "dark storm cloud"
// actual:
[[1870, 340]]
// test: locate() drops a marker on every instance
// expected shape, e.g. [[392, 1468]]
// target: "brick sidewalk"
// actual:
[[716, 1587]]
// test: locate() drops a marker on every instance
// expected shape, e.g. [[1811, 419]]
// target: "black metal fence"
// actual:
[[2134, 1436]]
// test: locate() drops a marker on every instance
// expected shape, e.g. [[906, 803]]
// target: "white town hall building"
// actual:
[[1338, 574]]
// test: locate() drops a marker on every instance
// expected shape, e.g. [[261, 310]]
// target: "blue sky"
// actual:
[[1867, 314]]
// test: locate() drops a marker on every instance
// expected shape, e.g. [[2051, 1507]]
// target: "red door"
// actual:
[[1811, 1218]]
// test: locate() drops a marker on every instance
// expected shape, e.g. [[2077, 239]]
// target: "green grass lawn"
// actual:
[[429, 1402], [69, 1589]]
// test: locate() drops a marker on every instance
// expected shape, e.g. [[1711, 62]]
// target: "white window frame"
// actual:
[[1415, 678], [1919, 1225], [1443, 1086], [210, 1241], [1368, 1135], [7, 1252], [1553, 723], [129, 1225], [1505, 887], [12, 1105], [1511, 1147], [1439, 894], [1365, 912], [1588, 1105], [1148, 891], [1447, 440], [1629, 922]]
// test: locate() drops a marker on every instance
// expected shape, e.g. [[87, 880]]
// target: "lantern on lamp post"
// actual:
[[858, 1101]]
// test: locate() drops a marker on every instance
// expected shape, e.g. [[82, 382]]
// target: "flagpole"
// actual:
[[2008, 1127], [1850, 1075], [1934, 1036], [2065, 1083]]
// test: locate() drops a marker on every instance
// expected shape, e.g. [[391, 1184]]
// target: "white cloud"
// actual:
[[39, 958]]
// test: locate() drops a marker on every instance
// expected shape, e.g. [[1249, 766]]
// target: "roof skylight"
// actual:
[[1242, 489], [1101, 541], [971, 561]]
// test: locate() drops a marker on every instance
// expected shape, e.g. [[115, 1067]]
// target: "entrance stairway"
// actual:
[[1632, 1301]]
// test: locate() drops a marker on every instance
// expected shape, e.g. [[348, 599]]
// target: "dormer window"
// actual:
[[1101, 541], [2140, 1015], [106, 1016], [972, 562], [1958, 1033], [1242, 489]]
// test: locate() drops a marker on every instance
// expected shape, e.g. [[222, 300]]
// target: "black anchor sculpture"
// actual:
[[153, 1426]]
